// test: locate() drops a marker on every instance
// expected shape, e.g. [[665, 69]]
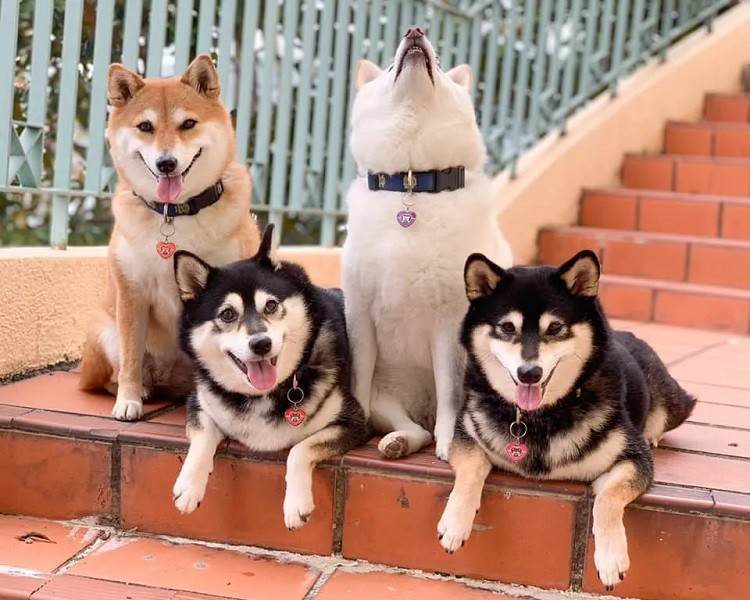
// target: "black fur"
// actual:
[[619, 385]]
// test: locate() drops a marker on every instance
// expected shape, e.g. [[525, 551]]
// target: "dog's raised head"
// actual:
[[170, 138], [413, 115], [246, 323], [533, 330]]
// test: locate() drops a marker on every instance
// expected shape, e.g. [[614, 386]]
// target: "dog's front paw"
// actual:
[[442, 448], [188, 491], [611, 557], [394, 445], [126, 409], [298, 506], [455, 526]]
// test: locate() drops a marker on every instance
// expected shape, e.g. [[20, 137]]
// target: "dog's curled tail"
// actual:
[[679, 407], [96, 370]]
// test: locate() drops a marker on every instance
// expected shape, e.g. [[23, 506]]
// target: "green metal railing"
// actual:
[[286, 74]]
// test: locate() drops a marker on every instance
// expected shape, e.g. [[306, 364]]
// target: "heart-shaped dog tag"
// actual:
[[295, 416], [406, 218], [165, 249], [516, 451]]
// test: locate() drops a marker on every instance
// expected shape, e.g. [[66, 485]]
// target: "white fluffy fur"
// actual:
[[404, 287]]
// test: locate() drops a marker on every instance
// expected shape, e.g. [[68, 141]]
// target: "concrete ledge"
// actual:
[[47, 297]]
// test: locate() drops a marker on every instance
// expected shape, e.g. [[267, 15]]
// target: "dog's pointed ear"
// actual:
[[463, 76], [581, 274], [191, 274], [266, 253], [202, 75], [365, 72], [481, 276], [122, 85]]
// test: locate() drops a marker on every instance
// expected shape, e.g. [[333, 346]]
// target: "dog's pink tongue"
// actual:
[[528, 397], [261, 374], [169, 188]]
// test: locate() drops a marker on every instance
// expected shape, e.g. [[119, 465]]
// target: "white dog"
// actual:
[[422, 208]]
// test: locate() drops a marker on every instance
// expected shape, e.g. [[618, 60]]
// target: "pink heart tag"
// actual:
[[295, 416], [406, 218], [516, 451], [165, 249]]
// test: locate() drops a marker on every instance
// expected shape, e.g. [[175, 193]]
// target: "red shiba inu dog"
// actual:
[[179, 188]]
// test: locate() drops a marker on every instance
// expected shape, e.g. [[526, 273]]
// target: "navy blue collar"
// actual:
[[193, 206], [432, 182]]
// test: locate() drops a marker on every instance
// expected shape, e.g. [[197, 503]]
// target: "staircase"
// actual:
[[675, 239]]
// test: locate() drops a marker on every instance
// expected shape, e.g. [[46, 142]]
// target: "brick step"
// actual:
[[666, 212], [680, 304], [62, 460], [690, 174], [727, 108], [692, 259], [730, 140]]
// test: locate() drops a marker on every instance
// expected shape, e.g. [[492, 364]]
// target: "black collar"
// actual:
[[193, 206]]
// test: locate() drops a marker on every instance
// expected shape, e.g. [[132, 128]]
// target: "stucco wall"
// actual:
[[46, 296], [548, 188]]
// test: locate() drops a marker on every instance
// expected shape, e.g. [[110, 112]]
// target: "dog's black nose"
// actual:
[[414, 33], [166, 164], [261, 346], [530, 374]]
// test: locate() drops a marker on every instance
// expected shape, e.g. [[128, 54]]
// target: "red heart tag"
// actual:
[[165, 249], [295, 416], [516, 451]]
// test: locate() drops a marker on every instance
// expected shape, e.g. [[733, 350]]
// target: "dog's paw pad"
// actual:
[[127, 410], [188, 494], [393, 446]]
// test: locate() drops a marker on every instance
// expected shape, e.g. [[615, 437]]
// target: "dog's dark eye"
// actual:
[[188, 124], [145, 127], [554, 328], [507, 327], [228, 315], [271, 307]]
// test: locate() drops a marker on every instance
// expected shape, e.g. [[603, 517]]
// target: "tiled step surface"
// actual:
[[728, 140], [727, 108], [692, 259], [79, 562], [72, 462], [666, 212], [689, 174]]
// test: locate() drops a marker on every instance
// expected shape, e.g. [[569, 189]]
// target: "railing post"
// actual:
[[8, 36], [66, 109]]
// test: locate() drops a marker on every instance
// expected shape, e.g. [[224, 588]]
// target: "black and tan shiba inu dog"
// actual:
[[272, 363], [551, 392]]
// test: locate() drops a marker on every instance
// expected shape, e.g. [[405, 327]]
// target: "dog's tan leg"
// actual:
[[614, 490], [204, 437], [471, 467], [298, 499], [132, 321]]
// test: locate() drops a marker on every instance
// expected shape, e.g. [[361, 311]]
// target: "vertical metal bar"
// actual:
[[519, 104], [131, 34], [247, 79], [206, 17], [183, 35], [570, 65], [336, 127], [157, 35], [226, 39], [490, 79], [354, 54], [462, 42], [588, 49], [558, 21], [302, 108], [279, 179], [620, 27], [9, 28], [265, 113], [508, 60], [448, 41], [105, 13], [391, 26], [475, 54], [373, 32], [66, 109], [666, 28], [539, 67], [322, 101], [636, 31], [38, 94]]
